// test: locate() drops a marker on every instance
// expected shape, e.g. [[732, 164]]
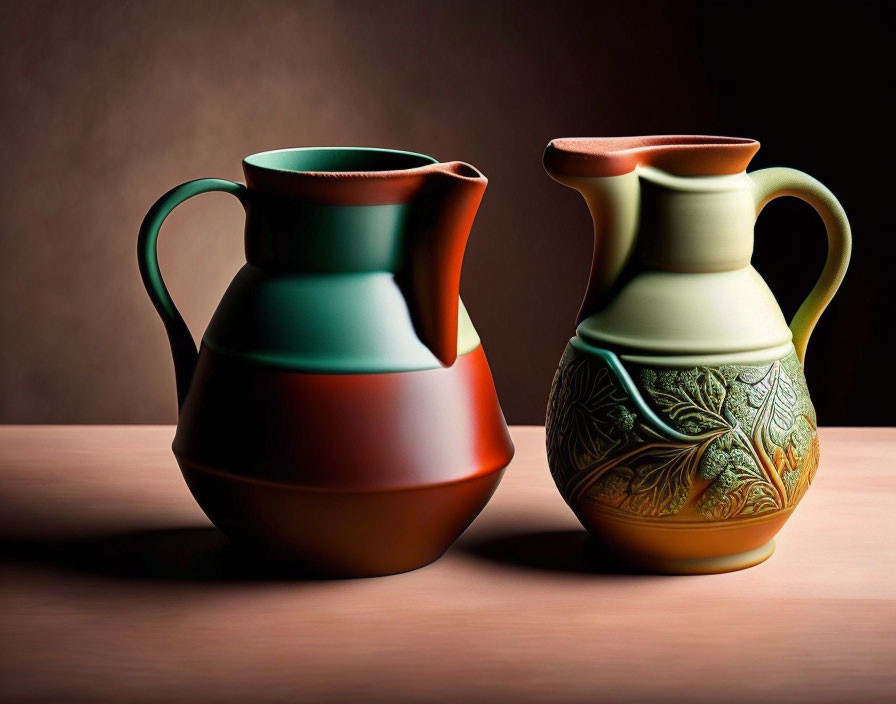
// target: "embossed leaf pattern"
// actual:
[[775, 395], [654, 481], [739, 485], [662, 481], [783, 426], [587, 418], [753, 444], [692, 399]]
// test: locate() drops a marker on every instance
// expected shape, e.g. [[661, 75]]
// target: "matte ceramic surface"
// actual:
[[340, 411], [680, 429]]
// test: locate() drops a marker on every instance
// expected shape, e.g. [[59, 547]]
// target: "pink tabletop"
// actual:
[[115, 588]]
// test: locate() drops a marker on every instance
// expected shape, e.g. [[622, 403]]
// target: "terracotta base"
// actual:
[[338, 533], [683, 547], [703, 565]]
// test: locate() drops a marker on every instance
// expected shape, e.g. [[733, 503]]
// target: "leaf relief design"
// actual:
[[588, 418], [752, 445]]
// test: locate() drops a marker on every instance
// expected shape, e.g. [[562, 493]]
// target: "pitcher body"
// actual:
[[679, 427], [340, 412]]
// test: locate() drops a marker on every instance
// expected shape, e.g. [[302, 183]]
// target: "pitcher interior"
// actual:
[[338, 160]]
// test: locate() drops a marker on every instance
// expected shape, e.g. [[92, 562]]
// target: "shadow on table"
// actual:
[[204, 554], [570, 551], [197, 554]]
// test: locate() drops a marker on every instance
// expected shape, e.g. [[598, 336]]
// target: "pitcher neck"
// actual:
[[286, 235], [330, 209], [696, 224], [351, 209]]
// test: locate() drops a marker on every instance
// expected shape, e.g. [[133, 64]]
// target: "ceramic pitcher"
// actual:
[[679, 428], [339, 413]]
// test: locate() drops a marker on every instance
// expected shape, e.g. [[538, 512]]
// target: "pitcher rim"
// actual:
[[681, 155], [351, 184], [258, 161]]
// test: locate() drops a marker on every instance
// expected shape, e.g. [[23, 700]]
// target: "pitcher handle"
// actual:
[[183, 349], [769, 184]]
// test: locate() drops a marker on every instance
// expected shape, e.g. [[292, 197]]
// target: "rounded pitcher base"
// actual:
[[703, 565], [341, 533], [677, 547]]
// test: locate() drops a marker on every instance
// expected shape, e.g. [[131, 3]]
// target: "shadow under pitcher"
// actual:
[[679, 427], [340, 414]]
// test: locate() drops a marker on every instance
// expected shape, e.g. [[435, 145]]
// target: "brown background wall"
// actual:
[[105, 105]]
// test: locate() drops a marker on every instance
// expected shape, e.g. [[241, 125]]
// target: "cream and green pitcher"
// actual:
[[679, 427]]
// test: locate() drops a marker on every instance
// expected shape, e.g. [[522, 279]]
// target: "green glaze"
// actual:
[[679, 426], [183, 349], [360, 323], [628, 386], [671, 274], [338, 159], [769, 184], [299, 237], [705, 443], [329, 282]]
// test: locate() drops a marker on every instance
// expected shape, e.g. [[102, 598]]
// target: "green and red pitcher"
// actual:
[[340, 412]]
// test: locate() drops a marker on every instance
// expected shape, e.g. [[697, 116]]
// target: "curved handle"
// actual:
[[183, 349], [769, 184]]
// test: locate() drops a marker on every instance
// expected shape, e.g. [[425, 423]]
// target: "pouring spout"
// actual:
[[441, 217], [613, 200], [605, 171]]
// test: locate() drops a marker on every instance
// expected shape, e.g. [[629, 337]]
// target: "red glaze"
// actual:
[[683, 155], [341, 533], [443, 213], [343, 474], [347, 474], [344, 432]]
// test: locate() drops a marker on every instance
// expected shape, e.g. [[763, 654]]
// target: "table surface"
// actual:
[[116, 588]]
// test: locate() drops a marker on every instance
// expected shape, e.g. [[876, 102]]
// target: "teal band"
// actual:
[[628, 384]]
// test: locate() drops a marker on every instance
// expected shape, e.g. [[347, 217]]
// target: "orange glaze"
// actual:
[[683, 155]]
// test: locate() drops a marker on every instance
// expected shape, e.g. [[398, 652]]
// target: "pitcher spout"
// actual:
[[613, 200], [605, 171], [441, 217]]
